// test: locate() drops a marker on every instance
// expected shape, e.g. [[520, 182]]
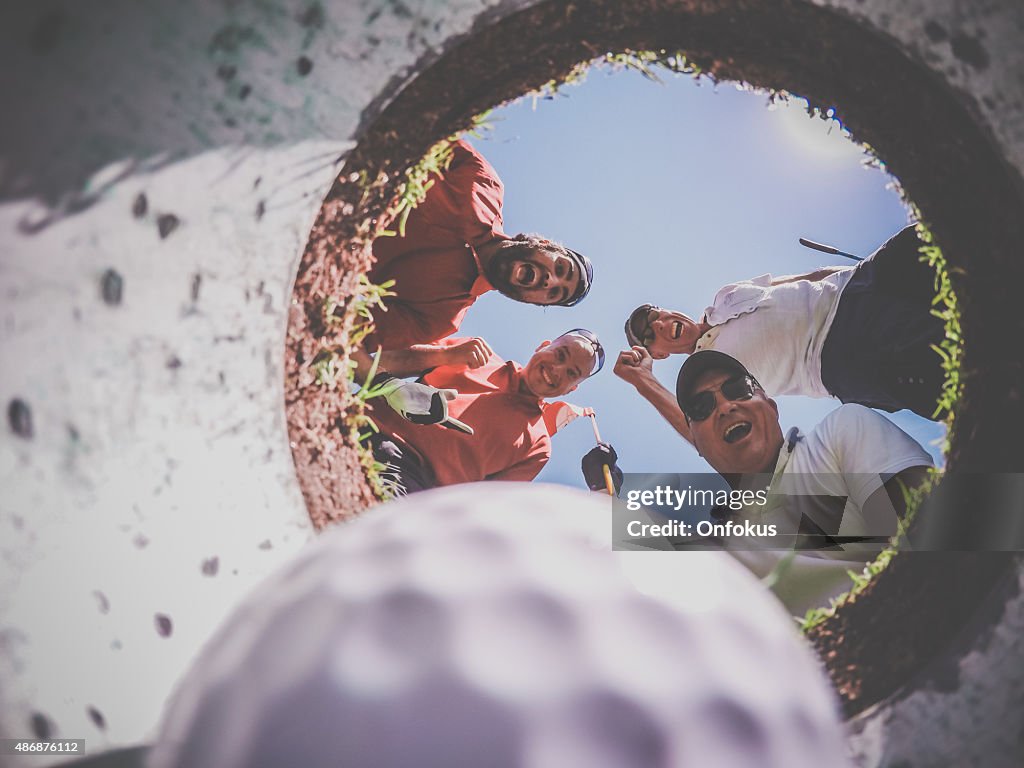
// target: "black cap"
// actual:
[[586, 272], [636, 325], [701, 362]]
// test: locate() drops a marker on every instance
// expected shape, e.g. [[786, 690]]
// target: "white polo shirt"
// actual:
[[849, 454], [777, 331]]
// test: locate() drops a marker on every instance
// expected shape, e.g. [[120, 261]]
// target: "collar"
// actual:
[[792, 438], [737, 299], [707, 340], [515, 379], [481, 285]]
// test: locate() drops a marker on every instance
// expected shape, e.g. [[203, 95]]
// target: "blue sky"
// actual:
[[672, 190]]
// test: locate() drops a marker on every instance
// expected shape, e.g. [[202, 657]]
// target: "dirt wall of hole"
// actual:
[[898, 639]]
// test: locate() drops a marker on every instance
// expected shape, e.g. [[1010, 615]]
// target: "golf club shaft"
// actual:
[[609, 485], [827, 249]]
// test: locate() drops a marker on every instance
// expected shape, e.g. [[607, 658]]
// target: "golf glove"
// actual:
[[420, 403], [596, 458]]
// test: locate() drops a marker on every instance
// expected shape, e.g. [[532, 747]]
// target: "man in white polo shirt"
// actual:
[[853, 454], [862, 334], [837, 490]]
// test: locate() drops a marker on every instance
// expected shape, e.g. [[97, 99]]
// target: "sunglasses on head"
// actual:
[[702, 404], [591, 337]]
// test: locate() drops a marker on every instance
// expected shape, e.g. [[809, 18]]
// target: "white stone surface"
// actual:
[[967, 714], [159, 434], [975, 47]]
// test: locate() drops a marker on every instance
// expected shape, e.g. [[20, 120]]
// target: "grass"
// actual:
[[413, 190], [647, 63], [950, 350], [329, 366], [912, 498]]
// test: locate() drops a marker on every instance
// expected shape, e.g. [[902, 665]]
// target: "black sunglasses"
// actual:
[[701, 405], [638, 326]]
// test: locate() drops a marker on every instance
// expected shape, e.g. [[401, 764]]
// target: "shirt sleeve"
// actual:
[[469, 197], [867, 447], [403, 325], [738, 299], [523, 471]]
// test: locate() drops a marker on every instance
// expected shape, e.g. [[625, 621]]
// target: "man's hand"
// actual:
[[472, 354], [634, 366], [421, 403], [593, 467]]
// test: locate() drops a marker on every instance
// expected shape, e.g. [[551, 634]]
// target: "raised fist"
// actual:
[[472, 353], [634, 365]]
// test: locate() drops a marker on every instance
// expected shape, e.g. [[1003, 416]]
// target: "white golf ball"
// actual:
[[491, 625]]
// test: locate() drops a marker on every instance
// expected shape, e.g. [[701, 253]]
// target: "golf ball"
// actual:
[[491, 625]]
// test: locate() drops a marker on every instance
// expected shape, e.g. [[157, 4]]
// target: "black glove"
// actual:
[[420, 403], [593, 463]]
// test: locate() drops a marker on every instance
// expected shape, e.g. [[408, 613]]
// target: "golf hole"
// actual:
[[892, 637]]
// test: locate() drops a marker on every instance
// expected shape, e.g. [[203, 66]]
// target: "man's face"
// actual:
[[533, 276], [668, 333], [740, 436], [558, 366]]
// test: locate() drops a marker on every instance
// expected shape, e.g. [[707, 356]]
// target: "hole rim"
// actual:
[[959, 181]]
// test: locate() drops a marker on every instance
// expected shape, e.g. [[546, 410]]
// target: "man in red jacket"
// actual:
[[501, 402], [454, 250]]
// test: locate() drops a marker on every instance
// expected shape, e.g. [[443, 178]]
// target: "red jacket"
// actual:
[[435, 268], [510, 442]]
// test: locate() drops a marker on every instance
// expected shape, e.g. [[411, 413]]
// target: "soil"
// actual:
[[879, 643], [924, 132]]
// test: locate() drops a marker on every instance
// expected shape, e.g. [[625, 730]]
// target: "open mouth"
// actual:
[[526, 275], [737, 432], [677, 329], [546, 377]]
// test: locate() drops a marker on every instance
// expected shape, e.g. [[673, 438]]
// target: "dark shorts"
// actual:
[[879, 350], [403, 469]]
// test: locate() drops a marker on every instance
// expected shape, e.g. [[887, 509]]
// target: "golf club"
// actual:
[[597, 436], [828, 249]]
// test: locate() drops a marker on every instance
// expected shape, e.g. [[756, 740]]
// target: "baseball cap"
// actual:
[[701, 362], [636, 325]]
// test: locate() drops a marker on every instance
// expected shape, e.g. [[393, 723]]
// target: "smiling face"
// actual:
[[740, 436], [558, 366], [532, 275], [665, 332]]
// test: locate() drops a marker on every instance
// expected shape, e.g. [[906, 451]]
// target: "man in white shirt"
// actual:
[[840, 485], [862, 334]]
